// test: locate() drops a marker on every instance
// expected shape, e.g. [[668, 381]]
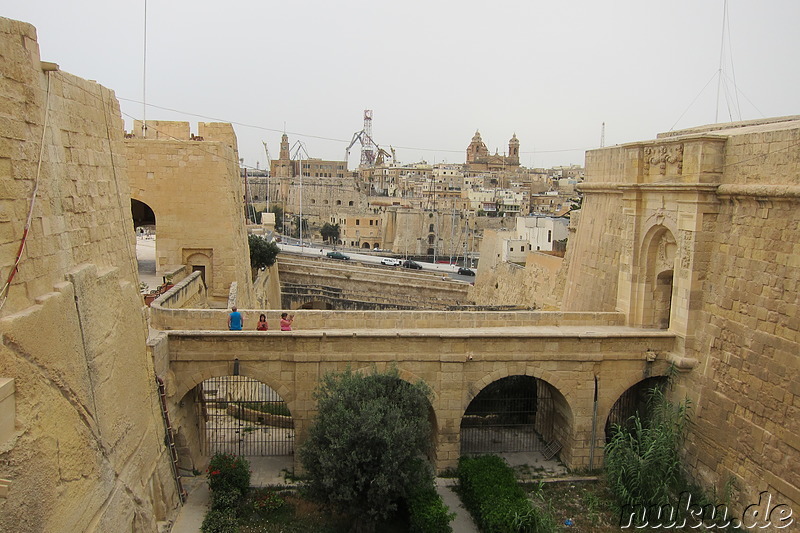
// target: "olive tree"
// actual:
[[366, 450], [263, 254]]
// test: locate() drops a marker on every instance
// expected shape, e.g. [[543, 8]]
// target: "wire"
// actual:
[[693, 101], [323, 138]]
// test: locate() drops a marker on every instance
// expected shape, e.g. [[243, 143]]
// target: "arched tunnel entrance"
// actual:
[[243, 416], [632, 402], [515, 414]]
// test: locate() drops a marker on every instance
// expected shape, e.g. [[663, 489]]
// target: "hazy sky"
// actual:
[[432, 71]]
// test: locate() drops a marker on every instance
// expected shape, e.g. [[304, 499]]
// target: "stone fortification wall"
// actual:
[[187, 183], [397, 285], [538, 284], [267, 287], [595, 247], [87, 451], [747, 414], [716, 212]]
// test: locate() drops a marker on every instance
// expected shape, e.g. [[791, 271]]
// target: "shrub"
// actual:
[[365, 451], [227, 472], [490, 492], [266, 501], [225, 499], [220, 521], [642, 463], [427, 511]]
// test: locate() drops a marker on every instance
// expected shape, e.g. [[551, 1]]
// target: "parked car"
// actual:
[[337, 255], [390, 261], [464, 271], [408, 263]]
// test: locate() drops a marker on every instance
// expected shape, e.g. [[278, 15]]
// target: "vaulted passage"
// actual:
[[243, 416], [632, 402], [513, 414]]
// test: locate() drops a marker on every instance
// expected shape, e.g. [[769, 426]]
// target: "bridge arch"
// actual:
[[434, 415], [543, 417], [241, 415], [633, 400], [263, 373]]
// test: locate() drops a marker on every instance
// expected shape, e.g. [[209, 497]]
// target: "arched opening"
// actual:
[[243, 416], [515, 414], [144, 225], [143, 215], [633, 401], [365, 246]]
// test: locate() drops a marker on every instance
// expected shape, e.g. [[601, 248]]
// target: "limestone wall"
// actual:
[[711, 214], [535, 285], [188, 184], [87, 452]]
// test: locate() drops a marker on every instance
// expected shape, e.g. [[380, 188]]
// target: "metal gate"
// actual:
[[513, 414], [632, 402], [243, 416]]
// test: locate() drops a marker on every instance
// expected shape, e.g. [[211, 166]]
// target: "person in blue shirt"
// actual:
[[235, 320]]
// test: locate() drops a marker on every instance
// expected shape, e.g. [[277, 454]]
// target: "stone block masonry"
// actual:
[[86, 448], [699, 231]]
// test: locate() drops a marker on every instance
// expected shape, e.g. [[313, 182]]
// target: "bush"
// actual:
[[228, 472], [365, 451], [490, 492], [225, 499], [266, 501], [427, 512], [642, 462], [220, 521]]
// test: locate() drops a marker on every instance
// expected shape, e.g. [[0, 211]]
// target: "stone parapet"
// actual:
[[163, 318]]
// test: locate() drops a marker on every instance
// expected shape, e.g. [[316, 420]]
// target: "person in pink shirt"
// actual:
[[286, 321]]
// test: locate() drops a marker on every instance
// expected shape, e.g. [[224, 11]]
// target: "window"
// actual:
[[358, 222], [549, 236], [350, 203], [430, 228]]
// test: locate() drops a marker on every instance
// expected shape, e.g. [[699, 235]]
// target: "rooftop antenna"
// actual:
[[144, 75], [603, 135]]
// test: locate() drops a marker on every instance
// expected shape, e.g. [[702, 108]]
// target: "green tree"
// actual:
[[366, 449], [263, 254], [330, 232]]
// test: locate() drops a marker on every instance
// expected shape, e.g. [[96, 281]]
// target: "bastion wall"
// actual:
[[85, 451], [711, 214]]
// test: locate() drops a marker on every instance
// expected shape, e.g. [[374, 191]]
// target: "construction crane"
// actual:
[[371, 153]]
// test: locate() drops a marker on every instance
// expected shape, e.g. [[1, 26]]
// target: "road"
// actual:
[[318, 251]]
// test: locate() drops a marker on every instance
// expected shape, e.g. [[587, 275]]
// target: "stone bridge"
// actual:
[[456, 353]]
